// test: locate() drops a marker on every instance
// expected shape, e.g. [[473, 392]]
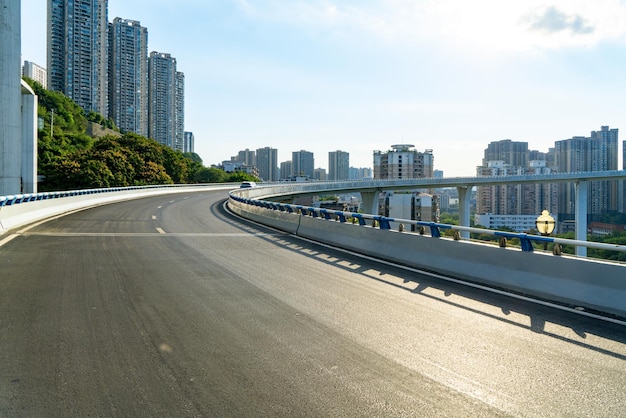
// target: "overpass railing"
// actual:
[[435, 229]]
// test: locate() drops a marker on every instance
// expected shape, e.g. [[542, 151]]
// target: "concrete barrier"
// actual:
[[16, 211], [591, 284]]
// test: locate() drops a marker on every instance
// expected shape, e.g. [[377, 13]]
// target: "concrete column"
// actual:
[[582, 195], [10, 97], [369, 202], [465, 193], [29, 139]]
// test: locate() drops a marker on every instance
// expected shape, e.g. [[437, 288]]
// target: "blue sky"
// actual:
[[361, 75]]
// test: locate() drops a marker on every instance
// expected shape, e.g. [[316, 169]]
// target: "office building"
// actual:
[[128, 77], [35, 72], [403, 162], [303, 163], [267, 163], [162, 76], [338, 165], [598, 152], [77, 52], [189, 144]]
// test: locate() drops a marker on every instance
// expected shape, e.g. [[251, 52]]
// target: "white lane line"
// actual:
[[145, 234], [7, 239], [159, 207]]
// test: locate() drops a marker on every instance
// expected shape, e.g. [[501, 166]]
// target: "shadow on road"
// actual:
[[535, 317]]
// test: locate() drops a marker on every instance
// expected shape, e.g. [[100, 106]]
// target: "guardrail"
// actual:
[[385, 223], [590, 284]]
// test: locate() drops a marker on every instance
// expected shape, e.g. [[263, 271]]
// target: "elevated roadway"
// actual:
[[170, 306]]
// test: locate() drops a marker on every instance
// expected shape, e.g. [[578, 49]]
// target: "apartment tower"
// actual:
[[162, 90], [77, 52], [128, 77], [338, 165], [598, 152]]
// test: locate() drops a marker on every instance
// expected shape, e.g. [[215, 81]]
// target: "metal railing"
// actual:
[[434, 228]]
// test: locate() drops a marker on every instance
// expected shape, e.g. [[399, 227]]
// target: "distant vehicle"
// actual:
[[247, 185]]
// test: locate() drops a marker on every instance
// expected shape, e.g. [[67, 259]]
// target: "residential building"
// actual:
[[403, 162], [286, 170], [179, 111], [360, 173], [35, 72], [162, 96], [338, 165], [303, 163], [598, 152], [320, 174], [247, 157], [513, 153], [515, 199], [189, 144], [267, 163], [128, 76], [78, 52]]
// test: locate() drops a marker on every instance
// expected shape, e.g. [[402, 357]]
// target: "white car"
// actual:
[[247, 185]]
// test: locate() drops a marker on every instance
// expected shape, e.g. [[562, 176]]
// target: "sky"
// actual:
[[362, 75]]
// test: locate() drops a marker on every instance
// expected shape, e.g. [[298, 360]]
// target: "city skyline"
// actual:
[[360, 77]]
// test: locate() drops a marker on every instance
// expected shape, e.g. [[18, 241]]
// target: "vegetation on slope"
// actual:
[[68, 158]]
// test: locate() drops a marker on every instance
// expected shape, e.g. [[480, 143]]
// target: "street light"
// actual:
[[545, 226]]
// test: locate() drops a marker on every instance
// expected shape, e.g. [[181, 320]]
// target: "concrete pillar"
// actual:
[[465, 193], [29, 139], [10, 98], [582, 194], [369, 202]]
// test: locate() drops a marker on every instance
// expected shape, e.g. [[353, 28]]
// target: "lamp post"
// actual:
[[545, 226]]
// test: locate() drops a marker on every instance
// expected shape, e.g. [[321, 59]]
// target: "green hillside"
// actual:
[[69, 158]]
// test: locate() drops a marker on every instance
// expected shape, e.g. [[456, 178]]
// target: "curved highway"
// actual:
[[170, 306]]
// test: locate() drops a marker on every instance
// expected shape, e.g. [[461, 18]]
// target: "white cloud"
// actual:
[[490, 25]]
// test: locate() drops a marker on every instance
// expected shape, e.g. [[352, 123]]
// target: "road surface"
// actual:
[[169, 306]]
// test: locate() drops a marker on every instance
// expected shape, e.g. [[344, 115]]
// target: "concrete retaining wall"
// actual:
[[579, 282]]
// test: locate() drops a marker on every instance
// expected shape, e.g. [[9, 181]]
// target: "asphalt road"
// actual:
[[168, 306]]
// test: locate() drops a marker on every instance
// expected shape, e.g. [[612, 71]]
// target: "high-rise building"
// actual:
[[598, 152], [189, 145], [303, 163], [35, 72], [77, 52], [360, 173], [338, 165], [179, 111], [247, 157], [514, 206], [286, 170], [267, 163], [128, 77], [513, 153], [162, 98], [403, 162], [623, 205]]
